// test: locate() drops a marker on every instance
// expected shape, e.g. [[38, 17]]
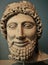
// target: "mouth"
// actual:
[[21, 44]]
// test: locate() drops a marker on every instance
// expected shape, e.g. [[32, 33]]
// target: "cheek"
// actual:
[[30, 32], [10, 37], [10, 33]]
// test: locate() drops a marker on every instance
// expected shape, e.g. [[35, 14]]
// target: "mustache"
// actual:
[[20, 42], [14, 42]]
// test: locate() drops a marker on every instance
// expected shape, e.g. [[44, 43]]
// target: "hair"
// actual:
[[23, 7]]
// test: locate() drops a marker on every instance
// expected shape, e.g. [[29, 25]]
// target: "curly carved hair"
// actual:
[[23, 7]]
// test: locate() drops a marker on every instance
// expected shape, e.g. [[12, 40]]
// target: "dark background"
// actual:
[[42, 8]]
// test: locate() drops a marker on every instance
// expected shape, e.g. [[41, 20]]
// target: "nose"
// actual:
[[20, 33], [21, 38]]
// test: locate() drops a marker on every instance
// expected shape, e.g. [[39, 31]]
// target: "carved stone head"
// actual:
[[22, 27]]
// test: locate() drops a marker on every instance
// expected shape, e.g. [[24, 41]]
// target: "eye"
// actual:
[[28, 25], [12, 25]]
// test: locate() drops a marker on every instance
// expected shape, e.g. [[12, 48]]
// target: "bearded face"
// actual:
[[21, 37]]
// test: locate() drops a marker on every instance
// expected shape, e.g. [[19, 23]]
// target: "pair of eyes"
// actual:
[[27, 25]]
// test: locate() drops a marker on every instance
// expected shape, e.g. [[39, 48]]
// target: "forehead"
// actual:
[[20, 18]]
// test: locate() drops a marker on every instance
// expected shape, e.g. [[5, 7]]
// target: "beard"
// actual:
[[22, 53]]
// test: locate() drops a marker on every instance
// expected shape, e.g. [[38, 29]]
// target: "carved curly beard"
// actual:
[[22, 53]]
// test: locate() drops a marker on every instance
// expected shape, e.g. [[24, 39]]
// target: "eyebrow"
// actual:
[[23, 22], [11, 23], [29, 22]]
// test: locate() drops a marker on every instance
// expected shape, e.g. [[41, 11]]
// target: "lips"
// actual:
[[21, 44]]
